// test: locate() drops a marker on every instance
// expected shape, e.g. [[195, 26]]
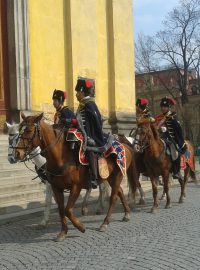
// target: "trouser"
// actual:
[[92, 159]]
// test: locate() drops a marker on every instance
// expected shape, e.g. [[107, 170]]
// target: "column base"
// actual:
[[122, 123]]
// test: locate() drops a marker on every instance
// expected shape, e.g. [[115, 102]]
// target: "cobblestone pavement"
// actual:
[[169, 239]]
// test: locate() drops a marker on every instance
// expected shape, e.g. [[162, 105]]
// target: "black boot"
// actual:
[[176, 169], [92, 158]]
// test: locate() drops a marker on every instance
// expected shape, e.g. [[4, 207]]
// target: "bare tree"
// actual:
[[146, 62], [177, 44]]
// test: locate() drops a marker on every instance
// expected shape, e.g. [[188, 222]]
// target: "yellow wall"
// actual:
[[47, 61], [92, 38]]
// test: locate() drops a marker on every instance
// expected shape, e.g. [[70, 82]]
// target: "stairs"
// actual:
[[19, 194]]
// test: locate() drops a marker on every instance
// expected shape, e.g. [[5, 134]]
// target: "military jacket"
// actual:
[[63, 113], [173, 128], [91, 121]]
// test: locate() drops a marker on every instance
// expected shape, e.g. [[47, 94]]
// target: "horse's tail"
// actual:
[[193, 175], [132, 173], [192, 172]]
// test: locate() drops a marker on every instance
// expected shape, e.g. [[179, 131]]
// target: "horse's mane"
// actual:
[[154, 131]]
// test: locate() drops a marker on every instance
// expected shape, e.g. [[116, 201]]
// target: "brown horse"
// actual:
[[65, 172], [155, 159]]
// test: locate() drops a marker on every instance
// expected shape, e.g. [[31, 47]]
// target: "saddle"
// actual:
[[111, 147]]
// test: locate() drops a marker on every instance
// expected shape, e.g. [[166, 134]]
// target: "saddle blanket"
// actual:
[[188, 158], [116, 148]]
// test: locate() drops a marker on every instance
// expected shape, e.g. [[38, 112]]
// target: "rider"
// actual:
[[63, 113], [142, 110], [90, 122], [63, 116], [172, 133]]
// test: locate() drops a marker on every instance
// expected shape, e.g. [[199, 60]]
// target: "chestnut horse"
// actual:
[[65, 172], [157, 162]]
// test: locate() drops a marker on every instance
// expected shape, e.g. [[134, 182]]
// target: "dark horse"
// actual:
[[157, 163], [65, 172]]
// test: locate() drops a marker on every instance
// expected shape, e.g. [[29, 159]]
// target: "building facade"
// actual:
[[156, 85], [47, 44]]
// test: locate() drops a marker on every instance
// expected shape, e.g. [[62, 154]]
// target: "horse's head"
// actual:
[[13, 132], [29, 136], [142, 137]]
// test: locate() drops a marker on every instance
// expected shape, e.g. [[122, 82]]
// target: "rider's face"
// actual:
[[80, 95], [164, 109], [56, 103]]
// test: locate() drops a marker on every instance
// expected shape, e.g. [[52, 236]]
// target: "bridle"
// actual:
[[141, 145], [30, 140]]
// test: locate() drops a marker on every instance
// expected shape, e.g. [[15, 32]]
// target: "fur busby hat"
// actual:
[[167, 102], [86, 85], [59, 95], [142, 103]]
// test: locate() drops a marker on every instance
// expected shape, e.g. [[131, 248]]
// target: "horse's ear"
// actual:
[[23, 116], [8, 125], [38, 118]]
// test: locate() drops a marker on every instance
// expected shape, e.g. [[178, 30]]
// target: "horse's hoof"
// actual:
[[154, 210], [103, 228], [181, 200], [99, 212], [84, 211], [81, 228], [167, 206], [141, 202], [60, 237], [126, 218]]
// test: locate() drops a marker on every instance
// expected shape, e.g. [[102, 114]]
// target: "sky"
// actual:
[[149, 14]]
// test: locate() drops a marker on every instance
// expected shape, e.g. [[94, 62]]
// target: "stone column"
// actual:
[[18, 51], [121, 66]]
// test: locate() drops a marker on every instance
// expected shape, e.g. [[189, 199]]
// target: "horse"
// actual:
[[157, 162], [38, 160], [64, 172]]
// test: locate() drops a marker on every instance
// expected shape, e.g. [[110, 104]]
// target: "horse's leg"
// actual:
[[114, 181], [142, 195], [165, 178], [127, 209], [59, 197], [47, 208], [155, 194], [73, 196], [184, 183], [103, 195], [84, 209]]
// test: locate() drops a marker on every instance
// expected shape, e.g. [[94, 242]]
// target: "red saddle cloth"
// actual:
[[188, 158], [116, 148]]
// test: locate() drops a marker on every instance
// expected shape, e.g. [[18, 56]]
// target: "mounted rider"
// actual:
[[90, 123], [172, 133], [63, 114], [142, 111]]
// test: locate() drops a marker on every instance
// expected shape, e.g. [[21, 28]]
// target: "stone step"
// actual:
[[31, 185], [18, 180], [6, 165], [15, 172], [21, 206], [16, 197], [24, 211]]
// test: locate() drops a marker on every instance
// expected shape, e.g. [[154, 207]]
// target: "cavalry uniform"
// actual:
[[90, 123], [171, 132], [63, 114], [143, 113]]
